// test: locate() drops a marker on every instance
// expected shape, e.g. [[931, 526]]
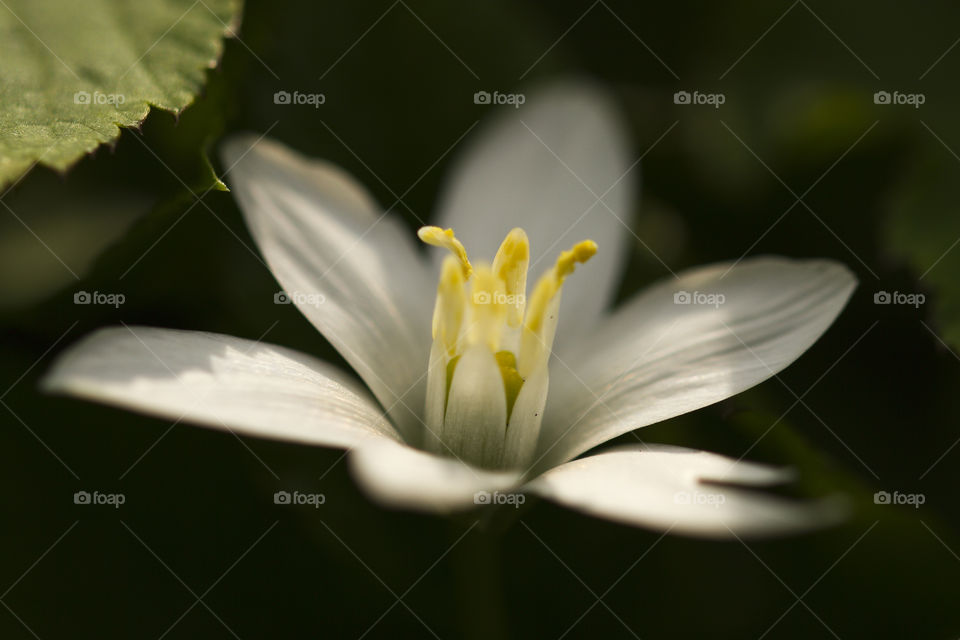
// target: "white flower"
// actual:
[[479, 413]]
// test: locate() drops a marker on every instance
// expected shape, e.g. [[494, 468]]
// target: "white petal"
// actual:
[[542, 167], [655, 359], [669, 488], [221, 382], [475, 423], [399, 476], [525, 420], [353, 272], [436, 398]]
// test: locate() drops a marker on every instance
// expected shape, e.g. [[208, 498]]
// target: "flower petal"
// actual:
[[399, 476], [543, 167], [475, 423], [655, 359], [353, 272], [524, 429], [436, 399], [670, 488], [221, 382]]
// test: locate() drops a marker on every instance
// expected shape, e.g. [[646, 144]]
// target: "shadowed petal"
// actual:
[[671, 488], [396, 475]]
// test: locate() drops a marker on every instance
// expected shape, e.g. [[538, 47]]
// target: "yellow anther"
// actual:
[[486, 323], [580, 253], [510, 266], [550, 283], [451, 304], [438, 237]]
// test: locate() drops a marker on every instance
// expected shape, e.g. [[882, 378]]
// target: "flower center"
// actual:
[[487, 381]]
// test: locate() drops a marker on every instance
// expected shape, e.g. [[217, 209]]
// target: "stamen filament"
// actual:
[[536, 340], [451, 302], [486, 323], [511, 265], [550, 283]]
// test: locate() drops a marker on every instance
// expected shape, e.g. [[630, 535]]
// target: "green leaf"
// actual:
[[73, 73]]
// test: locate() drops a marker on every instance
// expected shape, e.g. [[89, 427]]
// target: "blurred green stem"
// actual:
[[476, 562]]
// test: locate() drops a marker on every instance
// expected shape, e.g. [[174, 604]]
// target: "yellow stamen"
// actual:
[[486, 324], [510, 265], [450, 305], [497, 297], [438, 237], [551, 282], [485, 308], [536, 340]]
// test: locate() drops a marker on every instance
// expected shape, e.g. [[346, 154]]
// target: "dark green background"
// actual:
[[883, 413]]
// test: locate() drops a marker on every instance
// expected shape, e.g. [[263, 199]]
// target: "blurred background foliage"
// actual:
[[798, 161]]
